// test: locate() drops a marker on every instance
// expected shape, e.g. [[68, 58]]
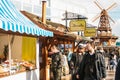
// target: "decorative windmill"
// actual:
[[104, 17], [104, 31]]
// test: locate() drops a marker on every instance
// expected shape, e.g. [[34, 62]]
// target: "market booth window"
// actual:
[[23, 56]]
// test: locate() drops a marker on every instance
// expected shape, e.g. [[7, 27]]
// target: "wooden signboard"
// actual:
[[77, 25], [89, 32]]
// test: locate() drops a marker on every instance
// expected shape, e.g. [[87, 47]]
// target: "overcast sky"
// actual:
[[93, 10]]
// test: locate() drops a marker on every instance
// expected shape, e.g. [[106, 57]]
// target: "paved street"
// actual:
[[110, 74]]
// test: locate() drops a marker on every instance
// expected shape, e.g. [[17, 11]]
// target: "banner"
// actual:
[[29, 49], [77, 25], [89, 32]]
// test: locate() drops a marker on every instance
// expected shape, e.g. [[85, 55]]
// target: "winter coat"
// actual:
[[75, 61], [98, 63], [117, 73], [74, 64], [57, 61]]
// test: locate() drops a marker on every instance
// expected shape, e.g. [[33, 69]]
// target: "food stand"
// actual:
[[60, 37], [16, 31]]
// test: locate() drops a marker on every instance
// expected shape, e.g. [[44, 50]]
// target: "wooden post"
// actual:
[[9, 49], [45, 54], [73, 46], [46, 66]]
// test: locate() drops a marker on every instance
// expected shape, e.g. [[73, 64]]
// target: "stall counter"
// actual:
[[27, 75]]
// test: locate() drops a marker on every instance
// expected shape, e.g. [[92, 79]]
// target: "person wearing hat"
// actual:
[[92, 66], [76, 60]]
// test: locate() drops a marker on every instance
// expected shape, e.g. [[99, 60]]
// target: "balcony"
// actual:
[[29, 7]]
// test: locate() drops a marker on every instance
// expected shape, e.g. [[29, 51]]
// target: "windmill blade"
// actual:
[[98, 5], [96, 17], [113, 5], [111, 19]]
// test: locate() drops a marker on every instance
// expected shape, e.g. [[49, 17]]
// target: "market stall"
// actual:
[[19, 40], [60, 37]]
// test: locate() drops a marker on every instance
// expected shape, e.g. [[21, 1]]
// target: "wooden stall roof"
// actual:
[[59, 30], [49, 24]]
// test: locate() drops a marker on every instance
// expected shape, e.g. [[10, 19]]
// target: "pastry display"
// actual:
[[16, 67]]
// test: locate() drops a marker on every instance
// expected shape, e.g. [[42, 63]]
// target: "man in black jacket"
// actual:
[[117, 73], [76, 60], [92, 66]]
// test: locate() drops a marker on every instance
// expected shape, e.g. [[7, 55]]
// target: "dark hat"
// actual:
[[81, 46]]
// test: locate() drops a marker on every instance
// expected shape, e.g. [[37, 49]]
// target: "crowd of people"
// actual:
[[86, 63]]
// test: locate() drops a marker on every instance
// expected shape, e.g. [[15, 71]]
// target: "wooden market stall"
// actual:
[[16, 31], [60, 37]]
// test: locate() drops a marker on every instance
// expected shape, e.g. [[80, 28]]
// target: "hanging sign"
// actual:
[[77, 25], [71, 16], [89, 32]]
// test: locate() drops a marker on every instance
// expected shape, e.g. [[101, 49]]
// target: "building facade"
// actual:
[[55, 8]]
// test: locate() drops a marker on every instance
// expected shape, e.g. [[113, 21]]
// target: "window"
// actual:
[[23, 54]]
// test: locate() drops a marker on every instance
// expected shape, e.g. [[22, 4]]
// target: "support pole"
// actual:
[[66, 16], [47, 66], [73, 46], [9, 51], [45, 54]]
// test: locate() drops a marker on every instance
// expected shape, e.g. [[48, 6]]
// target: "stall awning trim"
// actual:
[[12, 20]]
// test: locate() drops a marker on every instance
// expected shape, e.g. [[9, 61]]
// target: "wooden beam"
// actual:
[[73, 46], [46, 67]]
